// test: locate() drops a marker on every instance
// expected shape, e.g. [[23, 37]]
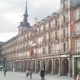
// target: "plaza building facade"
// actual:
[[75, 38], [47, 44]]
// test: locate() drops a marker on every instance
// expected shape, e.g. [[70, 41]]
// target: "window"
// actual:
[[39, 40], [64, 33], [50, 36], [56, 22], [56, 35], [44, 51], [44, 37], [49, 25], [19, 31], [77, 45], [64, 47], [37, 30], [64, 6], [39, 50], [30, 42], [44, 28], [56, 48], [64, 19], [77, 28], [76, 15], [49, 49]]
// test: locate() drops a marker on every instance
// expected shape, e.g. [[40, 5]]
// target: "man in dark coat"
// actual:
[[42, 74]]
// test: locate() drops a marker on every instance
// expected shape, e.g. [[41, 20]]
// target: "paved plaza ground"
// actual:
[[21, 76]]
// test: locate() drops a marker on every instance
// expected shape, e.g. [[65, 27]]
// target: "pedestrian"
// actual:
[[78, 76], [27, 73], [5, 71], [46, 71], [42, 74], [2, 70], [30, 74]]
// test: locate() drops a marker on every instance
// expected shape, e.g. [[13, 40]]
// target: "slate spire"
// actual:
[[25, 23], [25, 14]]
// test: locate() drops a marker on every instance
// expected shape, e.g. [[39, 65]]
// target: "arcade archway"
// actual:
[[56, 66], [65, 66], [49, 66]]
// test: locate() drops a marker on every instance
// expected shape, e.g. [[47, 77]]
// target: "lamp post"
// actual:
[[4, 62]]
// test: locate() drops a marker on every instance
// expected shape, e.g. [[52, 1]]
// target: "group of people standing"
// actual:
[[42, 74]]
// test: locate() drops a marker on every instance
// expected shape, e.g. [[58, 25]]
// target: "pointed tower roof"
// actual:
[[25, 14], [25, 23]]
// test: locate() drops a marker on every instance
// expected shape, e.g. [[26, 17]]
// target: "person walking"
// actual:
[[5, 71], [27, 74], [42, 74], [30, 74], [78, 76]]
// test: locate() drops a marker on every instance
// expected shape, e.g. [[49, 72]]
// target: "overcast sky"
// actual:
[[11, 14]]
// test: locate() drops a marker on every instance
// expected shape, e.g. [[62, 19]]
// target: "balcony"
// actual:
[[44, 42], [44, 52], [73, 50], [39, 43], [65, 23], [75, 34], [50, 40], [65, 37], [56, 28], [66, 50], [56, 39], [57, 51]]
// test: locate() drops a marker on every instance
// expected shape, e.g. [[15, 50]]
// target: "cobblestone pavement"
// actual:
[[21, 76]]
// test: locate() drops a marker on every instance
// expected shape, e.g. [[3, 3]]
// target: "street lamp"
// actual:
[[4, 62]]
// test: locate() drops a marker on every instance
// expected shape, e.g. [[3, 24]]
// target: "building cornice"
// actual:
[[72, 8]]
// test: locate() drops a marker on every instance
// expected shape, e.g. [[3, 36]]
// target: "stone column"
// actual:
[[20, 65], [52, 71], [13, 66], [23, 66], [70, 66], [27, 65], [60, 67], [54, 66], [45, 64], [75, 67], [31, 65], [10, 66], [40, 65], [35, 66]]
